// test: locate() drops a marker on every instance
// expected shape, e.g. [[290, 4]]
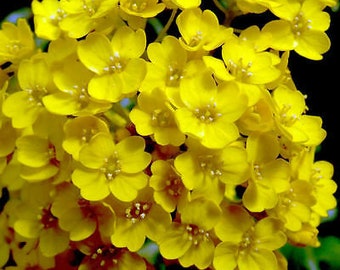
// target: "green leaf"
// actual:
[[329, 252]]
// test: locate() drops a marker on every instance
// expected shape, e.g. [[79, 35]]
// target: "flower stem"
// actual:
[[163, 32]]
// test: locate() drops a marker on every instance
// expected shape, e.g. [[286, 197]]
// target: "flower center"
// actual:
[[138, 211], [35, 95], [300, 24], [86, 208], [47, 219], [174, 186], [247, 240], [196, 39], [209, 163], [174, 76], [257, 172], [89, 7], [287, 119], [87, 134], [196, 234], [137, 5], [160, 118], [240, 70], [106, 256], [115, 64], [207, 114], [112, 167]]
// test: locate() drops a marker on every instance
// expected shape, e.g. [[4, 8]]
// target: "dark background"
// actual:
[[320, 80]]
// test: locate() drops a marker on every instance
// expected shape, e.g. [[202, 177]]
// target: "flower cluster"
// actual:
[[193, 137]]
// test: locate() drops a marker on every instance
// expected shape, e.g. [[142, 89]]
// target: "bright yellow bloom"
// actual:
[[270, 174], [4, 237], [79, 217], [154, 116], [291, 120], [306, 236], [119, 70], [209, 111], [199, 166], [83, 16], [38, 156], [8, 137], [167, 64], [247, 244], [301, 28], [16, 42], [169, 190], [47, 16], [139, 219], [324, 187], [79, 131], [73, 97], [26, 255], [258, 117], [183, 4], [34, 220], [142, 8], [191, 240], [245, 65], [200, 30], [100, 253], [111, 168], [294, 205], [10, 176], [250, 6], [25, 105]]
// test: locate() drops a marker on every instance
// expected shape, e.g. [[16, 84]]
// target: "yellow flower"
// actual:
[[100, 253], [183, 4], [73, 97], [119, 70], [306, 236], [291, 120], [83, 16], [191, 239], [200, 167], [4, 238], [200, 30], [294, 205], [25, 105], [270, 174], [108, 168], [142, 8], [79, 217], [258, 117], [16, 42], [246, 243], [154, 116], [242, 63], [79, 131], [209, 111], [34, 220], [166, 66], [324, 187], [169, 190], [139, 219], [39, 157], [47, 16], [8, 137], [301, 28]]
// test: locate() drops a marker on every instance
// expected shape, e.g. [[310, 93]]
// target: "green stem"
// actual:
[[219, 6], [163, 32]]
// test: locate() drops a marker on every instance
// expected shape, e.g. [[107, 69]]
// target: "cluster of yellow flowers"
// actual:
[[197, 141]]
